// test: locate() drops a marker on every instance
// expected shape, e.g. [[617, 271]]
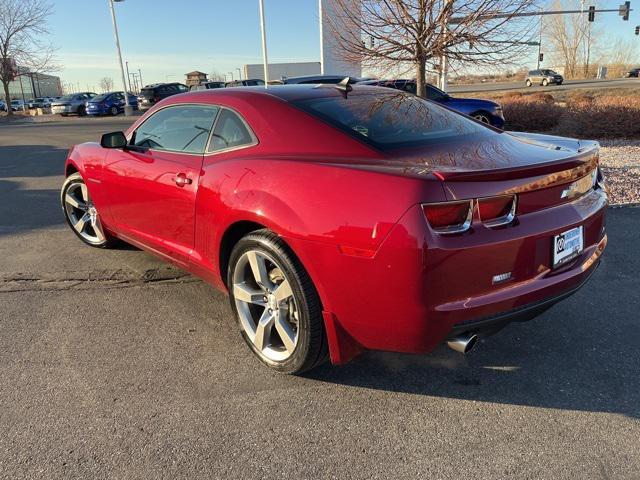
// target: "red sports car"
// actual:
[[342, 219]]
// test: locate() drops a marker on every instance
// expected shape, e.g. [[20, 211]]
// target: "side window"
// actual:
[[230, 131], [182, 88], [179, 128]]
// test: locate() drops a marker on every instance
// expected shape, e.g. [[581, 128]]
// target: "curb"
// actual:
[[625, 205]]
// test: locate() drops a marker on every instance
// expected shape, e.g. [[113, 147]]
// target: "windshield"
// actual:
[[392, 120], [68, 97]]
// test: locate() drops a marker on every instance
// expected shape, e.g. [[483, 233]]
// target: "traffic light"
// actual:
[[638, 30], [624, 10], [541, 57], [592, 13]]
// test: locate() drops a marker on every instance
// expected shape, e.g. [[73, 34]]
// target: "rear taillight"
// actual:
[[456, 217], [449, 217], [497, 211]]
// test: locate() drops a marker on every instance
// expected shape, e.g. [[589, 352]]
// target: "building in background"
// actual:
[[330, 50], [29, 85], [195, 78], [279, 70]]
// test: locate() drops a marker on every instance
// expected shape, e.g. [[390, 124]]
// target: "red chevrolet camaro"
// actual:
[[341, 219]]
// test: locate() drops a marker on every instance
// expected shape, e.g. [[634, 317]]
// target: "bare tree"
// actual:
[[106, 84], [23, 23], [381, 34], [566, 35]]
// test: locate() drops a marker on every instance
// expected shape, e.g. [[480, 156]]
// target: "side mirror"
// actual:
[[113, 140]]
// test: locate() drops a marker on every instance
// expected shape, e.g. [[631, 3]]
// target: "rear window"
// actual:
[[392, 120]]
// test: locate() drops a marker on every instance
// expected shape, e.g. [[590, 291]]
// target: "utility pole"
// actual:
[[540, 44], [239, 74], [128, 75], [444, 67], [264, 45], [321, 38], [140, 75], [128, 109]]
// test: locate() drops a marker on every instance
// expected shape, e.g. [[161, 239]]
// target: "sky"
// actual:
[[167, 38]]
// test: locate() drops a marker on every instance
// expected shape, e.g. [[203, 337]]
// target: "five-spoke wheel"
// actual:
[[276, 305], [81, 214]]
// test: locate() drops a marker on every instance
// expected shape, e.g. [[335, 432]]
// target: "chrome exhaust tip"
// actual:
[[463, 343]]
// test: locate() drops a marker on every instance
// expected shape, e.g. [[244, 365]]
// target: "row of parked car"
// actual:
[[113, 103]]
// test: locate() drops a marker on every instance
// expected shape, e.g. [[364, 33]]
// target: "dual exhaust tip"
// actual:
[[463, 343]]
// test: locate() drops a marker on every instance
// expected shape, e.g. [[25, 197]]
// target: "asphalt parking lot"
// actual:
[[116, 365]]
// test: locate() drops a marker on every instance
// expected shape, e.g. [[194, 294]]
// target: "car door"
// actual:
[[151, 185]]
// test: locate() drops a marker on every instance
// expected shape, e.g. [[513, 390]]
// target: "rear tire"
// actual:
[[276, 304], [482, 117], [528, 83], [81, 111], [114, 111], [545, 82]]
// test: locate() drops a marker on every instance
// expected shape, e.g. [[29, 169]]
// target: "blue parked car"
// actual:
[[485, 111], [110, 103]]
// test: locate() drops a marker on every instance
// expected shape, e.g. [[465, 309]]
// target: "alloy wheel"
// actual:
[[82, 214], [266, 305], [482, 118]]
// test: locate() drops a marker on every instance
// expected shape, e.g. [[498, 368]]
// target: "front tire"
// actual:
[[276, 304], [114, 111], [81, 111], [528, 83], [545, 82], [81, 215]]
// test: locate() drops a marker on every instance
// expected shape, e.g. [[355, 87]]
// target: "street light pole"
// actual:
[[239, 74], [128, 75], [140, 76], [264, 46], [128, 109]]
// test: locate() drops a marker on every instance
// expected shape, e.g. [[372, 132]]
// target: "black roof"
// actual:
[[291, 93]]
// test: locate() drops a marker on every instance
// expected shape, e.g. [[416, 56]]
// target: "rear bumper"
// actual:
[[64, 109], [96, 111], [419, 289], [493, 323]]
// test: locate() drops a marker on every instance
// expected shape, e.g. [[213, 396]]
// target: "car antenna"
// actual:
[[345, 86]]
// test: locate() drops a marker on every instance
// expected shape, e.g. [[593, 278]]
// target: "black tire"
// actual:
[[81, 111], [528, 83], [114, 111], [311, 348], [71, 182], [482, 117]]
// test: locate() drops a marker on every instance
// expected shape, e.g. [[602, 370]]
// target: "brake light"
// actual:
[[449, 217], [496, 211]]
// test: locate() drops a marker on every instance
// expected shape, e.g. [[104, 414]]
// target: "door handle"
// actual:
[[181, 180]]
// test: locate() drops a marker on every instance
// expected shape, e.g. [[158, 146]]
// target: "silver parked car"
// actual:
[[543, 77], [72, 103]]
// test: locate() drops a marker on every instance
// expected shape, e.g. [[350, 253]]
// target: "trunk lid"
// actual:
[[538, 168]]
